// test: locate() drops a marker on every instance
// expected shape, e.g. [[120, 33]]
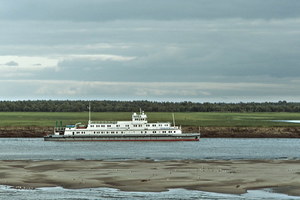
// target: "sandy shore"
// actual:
[[214, 176]]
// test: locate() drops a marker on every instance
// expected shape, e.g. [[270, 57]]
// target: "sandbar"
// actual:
[[223, 176]]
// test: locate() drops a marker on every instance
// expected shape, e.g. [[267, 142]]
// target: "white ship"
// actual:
[[138, 129]]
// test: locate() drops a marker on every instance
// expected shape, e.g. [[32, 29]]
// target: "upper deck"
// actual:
[[138, 122]]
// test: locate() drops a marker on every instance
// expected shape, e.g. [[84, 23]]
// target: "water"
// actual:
[[215, 149], [288, 121], [59, 193], [209, 149]]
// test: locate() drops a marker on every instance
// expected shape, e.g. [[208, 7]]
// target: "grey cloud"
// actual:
[[197, 91], [200, 42], [12, 63], [168, 51], [103, 10]]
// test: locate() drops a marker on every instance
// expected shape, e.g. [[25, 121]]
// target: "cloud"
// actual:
[[27, 62], [25, 66], [152, 49], [207, 50], [168, 91], [100, 57], [11, 63], [104, 10]]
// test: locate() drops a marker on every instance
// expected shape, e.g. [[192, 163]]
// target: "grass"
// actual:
[[233, 119], [185, 119]]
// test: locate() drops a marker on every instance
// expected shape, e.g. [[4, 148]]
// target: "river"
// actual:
[[206, 148]]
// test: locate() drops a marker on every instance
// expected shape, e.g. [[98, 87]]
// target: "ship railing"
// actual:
[[103, 122], [170, 128], [59, 128]]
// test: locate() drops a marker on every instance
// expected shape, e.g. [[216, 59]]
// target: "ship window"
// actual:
[[108, 125], [140, 125], [102, 125], [97, 125], [118, 125], [135, 125], [92, 125]]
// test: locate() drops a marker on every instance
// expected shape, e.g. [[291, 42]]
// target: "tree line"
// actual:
[[147, 106]]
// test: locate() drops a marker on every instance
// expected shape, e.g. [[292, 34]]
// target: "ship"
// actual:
[[138, 129]]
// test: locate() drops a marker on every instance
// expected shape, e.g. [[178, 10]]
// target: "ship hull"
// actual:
[[119, 138]]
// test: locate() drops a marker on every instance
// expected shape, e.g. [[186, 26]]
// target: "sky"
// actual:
[[155, 50]]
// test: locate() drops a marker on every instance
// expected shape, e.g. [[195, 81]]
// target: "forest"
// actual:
[[148, 106]]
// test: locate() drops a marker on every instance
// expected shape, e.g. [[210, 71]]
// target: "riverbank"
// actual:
[[235, 177], [206, 132], [245, 132]]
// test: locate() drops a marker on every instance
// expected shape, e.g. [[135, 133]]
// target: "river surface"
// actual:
[[206, 148]]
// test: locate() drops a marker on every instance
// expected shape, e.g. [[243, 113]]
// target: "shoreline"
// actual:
[[206, 132], [221, 176]]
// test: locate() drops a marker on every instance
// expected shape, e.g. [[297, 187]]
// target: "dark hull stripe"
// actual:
[[118, 140]]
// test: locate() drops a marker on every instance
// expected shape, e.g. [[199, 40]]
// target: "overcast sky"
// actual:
[[158, 50]]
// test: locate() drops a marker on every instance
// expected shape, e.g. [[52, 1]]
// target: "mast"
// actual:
[[173, 119], [89, 112]]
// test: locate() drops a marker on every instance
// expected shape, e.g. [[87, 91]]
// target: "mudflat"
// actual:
[[234, 177]]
